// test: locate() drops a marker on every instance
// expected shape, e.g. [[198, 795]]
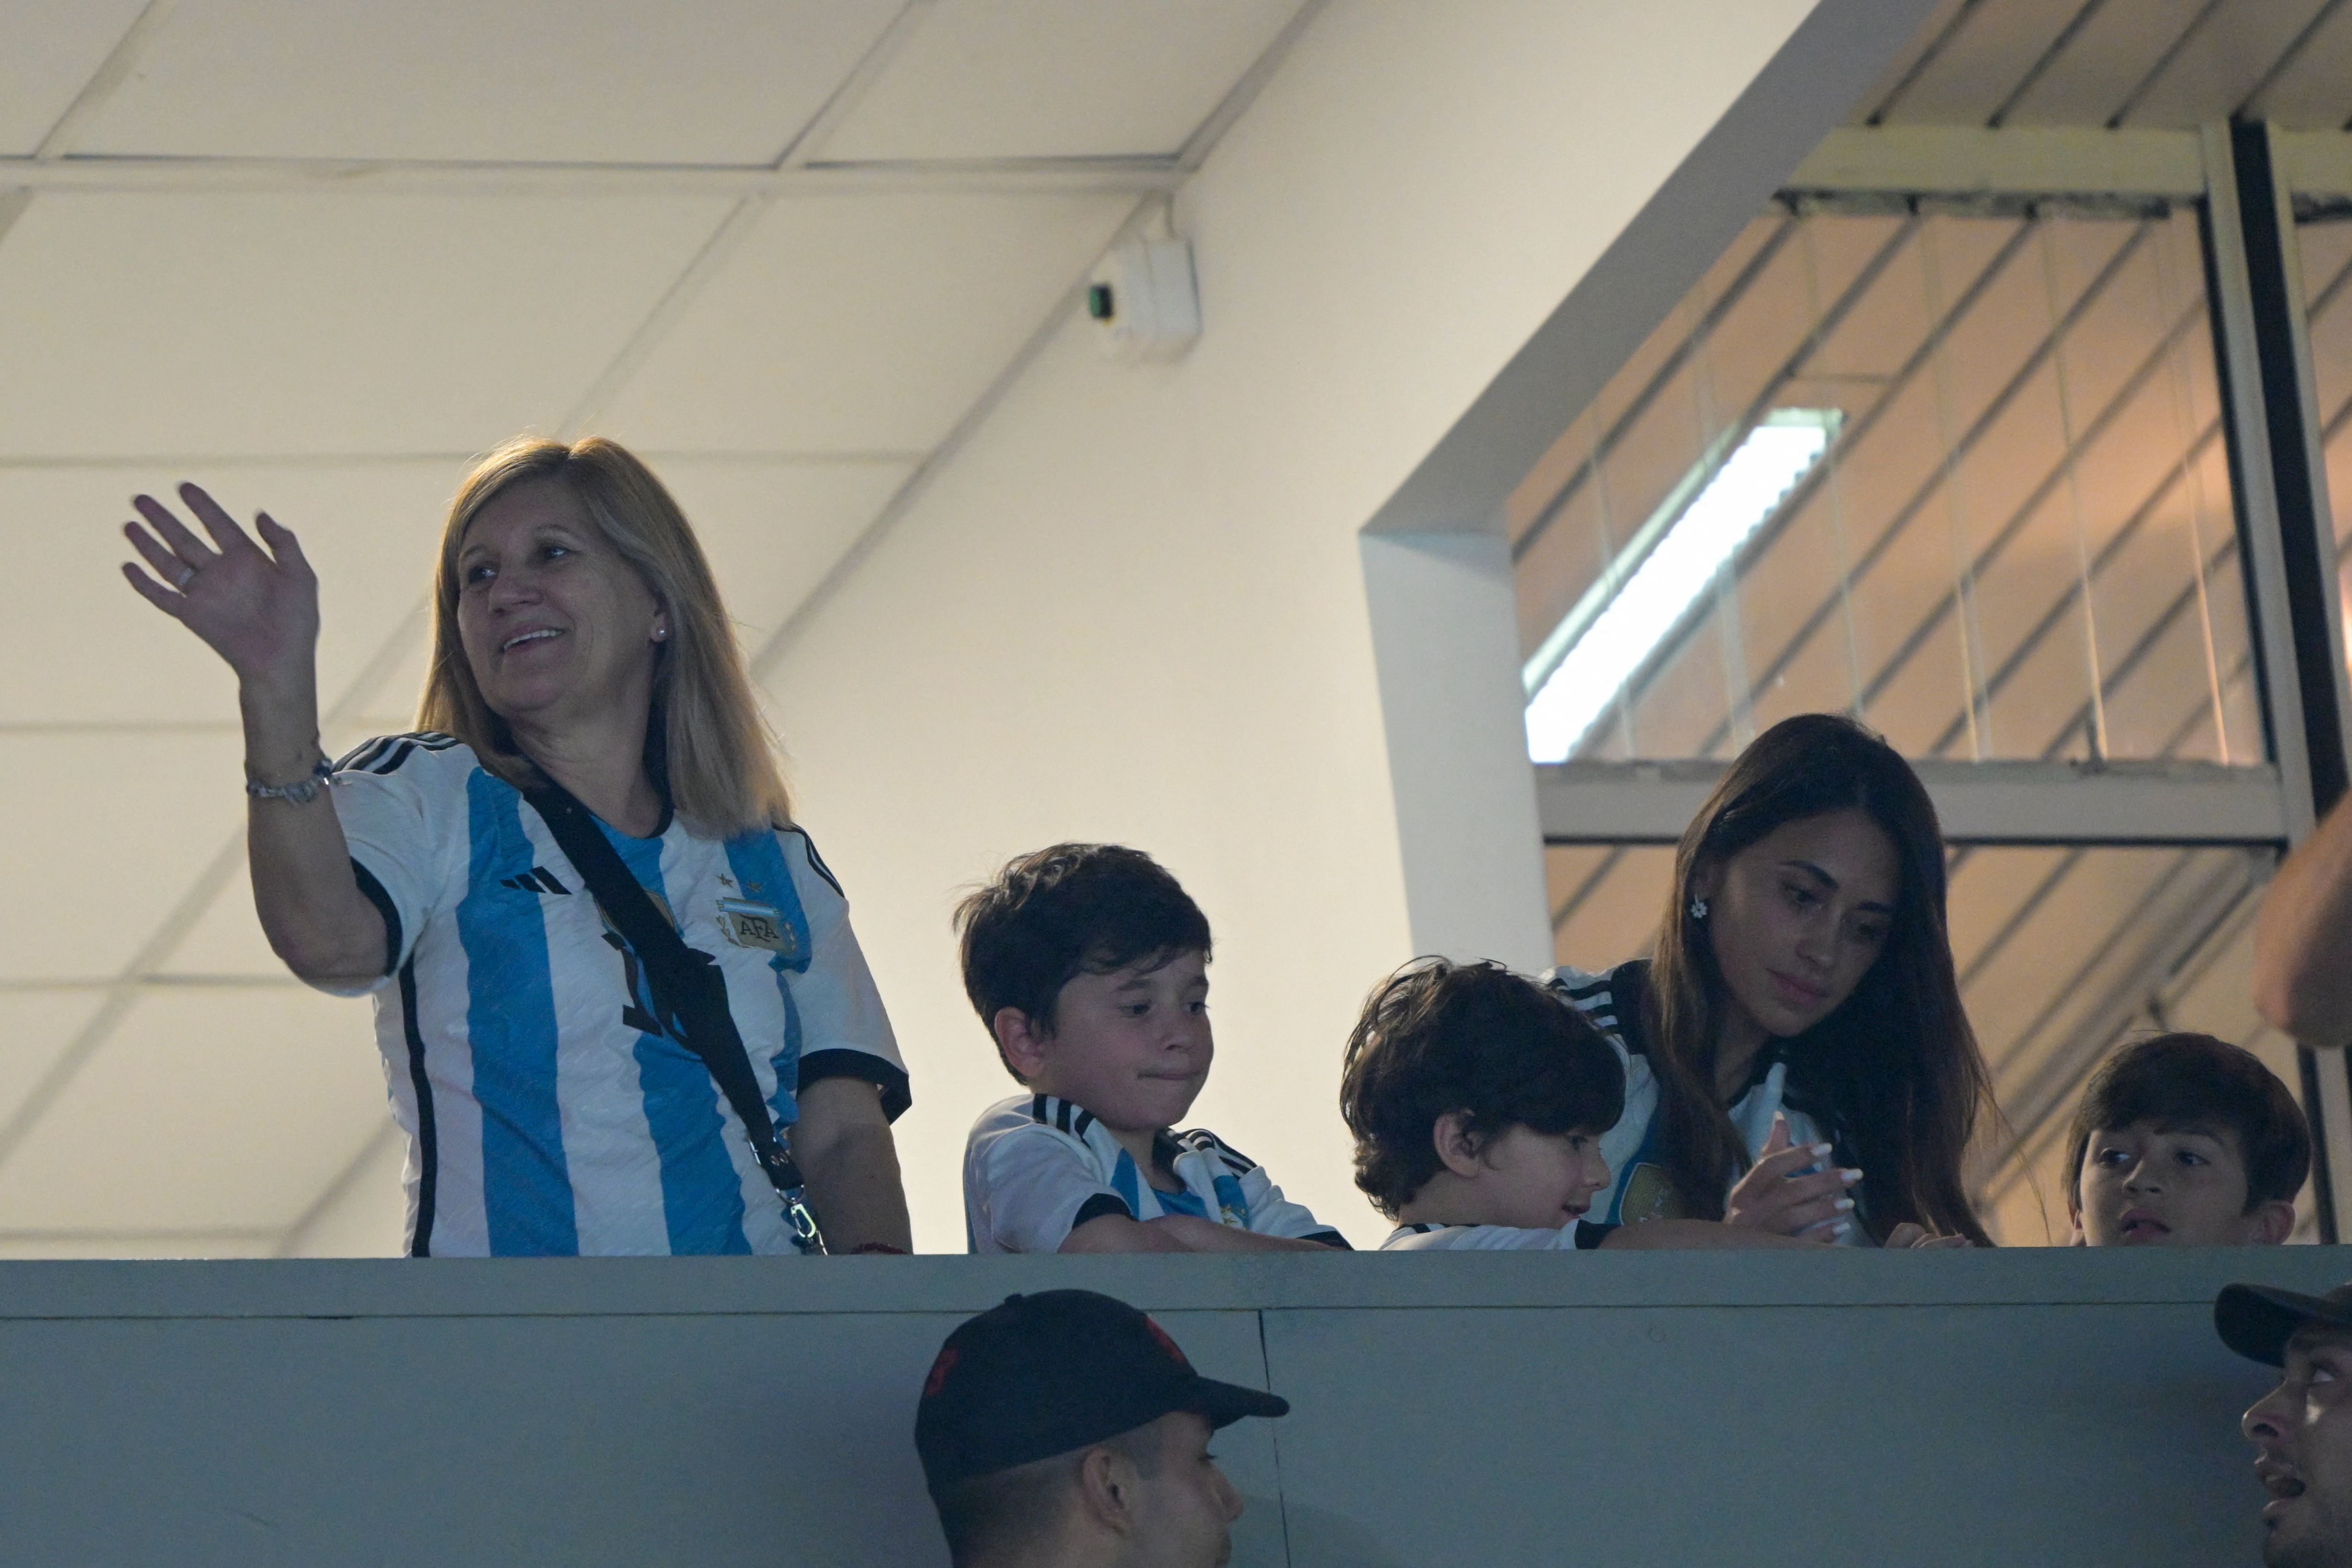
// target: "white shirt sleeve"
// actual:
[[405, 830], [840, 1008], [1271, 1213], [1492, 1239], [1025, 1182]]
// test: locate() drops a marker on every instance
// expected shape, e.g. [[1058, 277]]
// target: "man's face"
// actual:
[[2302, 1432], [1185, 1512]]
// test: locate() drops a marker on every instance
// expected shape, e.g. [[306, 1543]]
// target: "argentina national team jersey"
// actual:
[[1578, 1237], [546, 1110], [1036, 1168], [1639, 1187]]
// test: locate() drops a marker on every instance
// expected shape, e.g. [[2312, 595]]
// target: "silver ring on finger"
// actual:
[[187, 577]]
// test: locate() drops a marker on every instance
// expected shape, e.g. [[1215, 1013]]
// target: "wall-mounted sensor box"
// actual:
[[1143, 302]]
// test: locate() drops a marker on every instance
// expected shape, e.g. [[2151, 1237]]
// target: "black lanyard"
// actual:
[[689, 994]]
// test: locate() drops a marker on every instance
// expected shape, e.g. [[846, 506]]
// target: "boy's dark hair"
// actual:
[[1470, 1037], [2195, 1080], [1064, 910]]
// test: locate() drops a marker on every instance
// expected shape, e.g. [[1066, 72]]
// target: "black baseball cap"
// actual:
[[2256, 1320], [1059, 1370]]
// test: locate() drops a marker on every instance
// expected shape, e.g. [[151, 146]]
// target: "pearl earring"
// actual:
[[660, 632], [1699, 909]]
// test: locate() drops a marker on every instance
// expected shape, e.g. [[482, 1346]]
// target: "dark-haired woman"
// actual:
[[1797, 1057]]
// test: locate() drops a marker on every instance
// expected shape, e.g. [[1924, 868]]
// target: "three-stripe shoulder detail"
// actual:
[[1595, 999], [386, 752], [1060, 1114], [815, 860], [1202, 1140]]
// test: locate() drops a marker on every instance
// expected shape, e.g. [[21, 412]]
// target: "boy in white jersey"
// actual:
[[1479, 1102], [1087, 964]]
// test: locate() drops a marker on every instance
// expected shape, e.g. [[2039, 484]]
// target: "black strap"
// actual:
[[689, 994]]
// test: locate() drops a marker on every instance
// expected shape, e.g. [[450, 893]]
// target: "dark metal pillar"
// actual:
[[2287, 530]]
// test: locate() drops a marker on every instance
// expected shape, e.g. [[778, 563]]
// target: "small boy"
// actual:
[[1478, 1101], [1087, 964], [2183, 1139]]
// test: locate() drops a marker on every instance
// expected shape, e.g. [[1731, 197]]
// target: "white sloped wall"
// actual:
[[1133, 605]]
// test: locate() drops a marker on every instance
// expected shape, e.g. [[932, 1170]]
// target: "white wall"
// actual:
[[1133, 606], [1445, 635]]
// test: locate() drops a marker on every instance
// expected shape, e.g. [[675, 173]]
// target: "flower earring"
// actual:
[[1699, 909]]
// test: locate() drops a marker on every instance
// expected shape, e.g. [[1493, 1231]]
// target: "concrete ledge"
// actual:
[[1934, 1410], [702, 1287]]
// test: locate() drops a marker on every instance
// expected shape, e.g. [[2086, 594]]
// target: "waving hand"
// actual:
[[258, 609]]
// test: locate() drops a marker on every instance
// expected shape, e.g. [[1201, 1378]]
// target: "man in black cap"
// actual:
[[1065, 1430], [2301, 1430]]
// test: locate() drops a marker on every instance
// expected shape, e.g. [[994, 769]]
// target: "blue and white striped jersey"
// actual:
[[546, 1111], [1581, 1237], [1036, 1168], [1639, 1188]]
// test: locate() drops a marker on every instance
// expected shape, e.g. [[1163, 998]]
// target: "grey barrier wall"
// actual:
[[1950, 1408]]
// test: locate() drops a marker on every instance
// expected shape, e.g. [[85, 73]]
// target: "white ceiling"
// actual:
[[297, 324], [593, 81], [53, 51], [312, 254], [902, 307], [1133, 78]]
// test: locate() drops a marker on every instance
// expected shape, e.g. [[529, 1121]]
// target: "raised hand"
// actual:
[[258, 610], [1773, 1196]]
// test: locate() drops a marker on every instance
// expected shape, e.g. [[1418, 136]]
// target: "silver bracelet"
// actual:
[[301, 792]]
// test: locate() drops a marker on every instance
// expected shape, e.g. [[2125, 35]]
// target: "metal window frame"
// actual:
[[2286, 526], [2245, 178], [2190, 805]]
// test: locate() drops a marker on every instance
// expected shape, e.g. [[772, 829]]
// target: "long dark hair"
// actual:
[[1893, 1075]]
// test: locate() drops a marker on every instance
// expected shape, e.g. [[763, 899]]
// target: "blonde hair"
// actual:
[[712, 742]]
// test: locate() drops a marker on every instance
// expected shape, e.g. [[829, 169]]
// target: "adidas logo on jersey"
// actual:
[[538, 880]]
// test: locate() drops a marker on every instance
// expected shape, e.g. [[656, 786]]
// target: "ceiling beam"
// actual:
[[808, 144], [158, 982], [128, 1234], [2314, 163], [1978, 803], [1969, 160], [111, 73], [173, 176]]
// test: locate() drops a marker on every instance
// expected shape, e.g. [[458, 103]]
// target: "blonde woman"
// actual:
[[575, 894]]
